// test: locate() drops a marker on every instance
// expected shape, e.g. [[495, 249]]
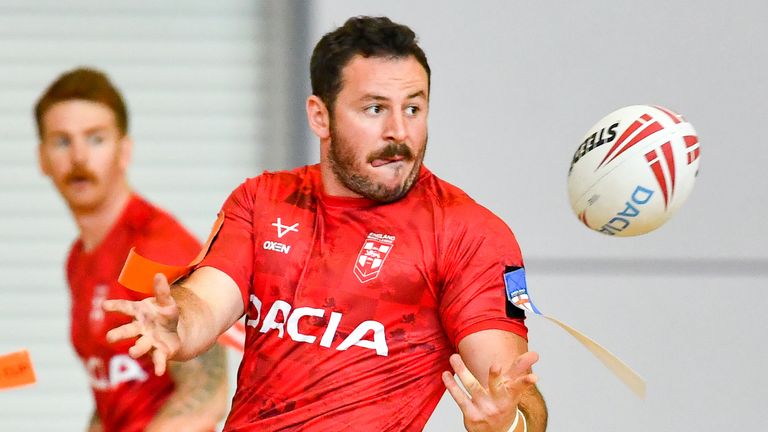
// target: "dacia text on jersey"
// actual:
[[284, 318], [119, 369]]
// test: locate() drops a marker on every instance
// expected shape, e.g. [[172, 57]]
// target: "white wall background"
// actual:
[[515, 86]]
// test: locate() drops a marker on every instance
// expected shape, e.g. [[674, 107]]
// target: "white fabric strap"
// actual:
[[517, 420]]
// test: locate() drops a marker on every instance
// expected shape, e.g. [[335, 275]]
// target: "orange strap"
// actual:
[[139, 273], [16, 370]]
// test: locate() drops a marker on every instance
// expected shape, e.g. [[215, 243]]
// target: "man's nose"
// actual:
[[396, 129], [78, 151]]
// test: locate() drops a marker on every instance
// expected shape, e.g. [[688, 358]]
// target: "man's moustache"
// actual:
[[78, 173], [392, 150]]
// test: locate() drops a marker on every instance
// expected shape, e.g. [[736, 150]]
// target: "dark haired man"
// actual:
[[85, 150], [359, 276]]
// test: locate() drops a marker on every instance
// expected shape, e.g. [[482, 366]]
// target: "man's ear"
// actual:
[[126, 152], [42, 161], [318, 117]]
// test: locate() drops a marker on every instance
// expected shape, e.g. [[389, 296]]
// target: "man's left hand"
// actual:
[[491, 409]]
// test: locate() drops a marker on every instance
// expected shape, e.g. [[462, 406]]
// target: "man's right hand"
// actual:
[[155, 322]]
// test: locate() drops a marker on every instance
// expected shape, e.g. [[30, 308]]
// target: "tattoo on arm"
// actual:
[[199, 383]]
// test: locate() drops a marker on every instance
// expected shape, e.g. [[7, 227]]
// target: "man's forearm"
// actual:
[[196, 328], [535, 410], [95, 424]]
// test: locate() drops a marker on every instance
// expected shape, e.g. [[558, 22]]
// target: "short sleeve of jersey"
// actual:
[[477, 250], [232, 250]]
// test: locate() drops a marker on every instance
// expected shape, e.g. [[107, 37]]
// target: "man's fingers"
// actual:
[[163, 291], [521, 384], [458, 395], [523, 363], [497, 382], [160, 359], [141, 347], [469, 381], [518, 377], [123, 306], [126, 331]]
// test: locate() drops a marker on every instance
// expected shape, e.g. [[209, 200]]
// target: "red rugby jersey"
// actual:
[[126, 391], [353, 307]]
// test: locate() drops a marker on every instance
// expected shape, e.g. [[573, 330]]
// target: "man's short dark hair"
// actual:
[[83, 84], [365, 36]]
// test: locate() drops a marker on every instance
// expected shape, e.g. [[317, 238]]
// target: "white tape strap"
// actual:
[[625, 373], [517, 294]]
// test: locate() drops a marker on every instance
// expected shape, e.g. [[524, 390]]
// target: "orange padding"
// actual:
[[16, 370], [139, 273]]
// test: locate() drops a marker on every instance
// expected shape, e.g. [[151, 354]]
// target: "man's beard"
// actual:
[[342, 160]]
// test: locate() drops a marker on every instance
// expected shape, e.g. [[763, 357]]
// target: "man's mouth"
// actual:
[[386, 160], [79, 181]]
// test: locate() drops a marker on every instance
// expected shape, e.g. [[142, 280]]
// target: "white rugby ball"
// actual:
[[633, 170]]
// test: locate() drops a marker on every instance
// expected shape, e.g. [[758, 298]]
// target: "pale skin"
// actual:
[[86, 157], [382, 100]]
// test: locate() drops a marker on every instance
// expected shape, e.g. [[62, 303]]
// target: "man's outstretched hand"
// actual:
[[155, 321], [494, 408]]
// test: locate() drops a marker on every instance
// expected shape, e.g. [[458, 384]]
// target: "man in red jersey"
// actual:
[[85, 150], [359, 277]]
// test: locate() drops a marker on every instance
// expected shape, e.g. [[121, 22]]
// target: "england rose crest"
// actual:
[[372, 255]]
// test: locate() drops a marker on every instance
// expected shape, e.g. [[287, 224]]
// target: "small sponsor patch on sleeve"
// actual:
[[517, 292]]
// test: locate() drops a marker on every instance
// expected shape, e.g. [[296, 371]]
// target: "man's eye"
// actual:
[[95, 139], [61, 141], [374, 109], [412, 110]]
